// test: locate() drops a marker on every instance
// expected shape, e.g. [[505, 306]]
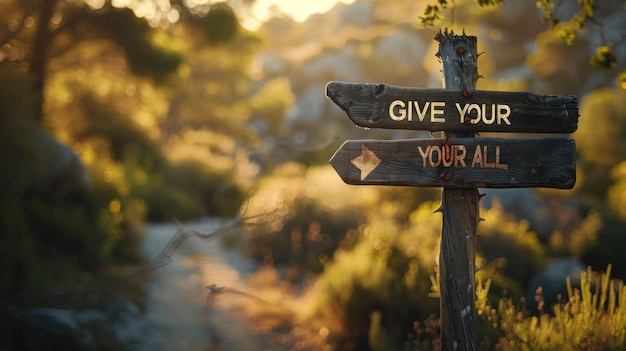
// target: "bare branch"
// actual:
[[165, 256], [215, 290]]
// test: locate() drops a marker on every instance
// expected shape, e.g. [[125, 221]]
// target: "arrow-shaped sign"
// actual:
[[459, 162], [366, 162], [393, 107]]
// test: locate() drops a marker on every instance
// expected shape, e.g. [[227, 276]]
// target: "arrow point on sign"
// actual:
[[366, 162]]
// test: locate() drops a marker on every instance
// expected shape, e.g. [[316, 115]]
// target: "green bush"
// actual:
[[592, 318], [508, 252], [304, 216], [55, 226], [185, 190], [371, 295], [214, 191]]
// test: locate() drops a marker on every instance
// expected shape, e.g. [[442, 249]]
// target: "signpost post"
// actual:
[[458, 162]]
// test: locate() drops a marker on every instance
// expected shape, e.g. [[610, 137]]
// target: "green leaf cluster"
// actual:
[[432, 13]]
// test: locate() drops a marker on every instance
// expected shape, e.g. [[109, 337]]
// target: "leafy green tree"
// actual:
[[600, 140], [38, 31], [94, 75], [567, 24]]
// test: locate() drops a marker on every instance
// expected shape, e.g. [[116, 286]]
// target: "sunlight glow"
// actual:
[[298, 10]]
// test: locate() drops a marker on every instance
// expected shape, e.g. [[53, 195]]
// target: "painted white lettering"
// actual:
[[401, 110], [434, 111], [421, 113], [493, 114], [504, 111], [478, 116], [410, 110], [462, 111], [498, 114]]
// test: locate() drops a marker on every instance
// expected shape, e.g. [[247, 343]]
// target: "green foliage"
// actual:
[[592, 318], [216, 191], [575, 242], [547, 6], [604, 59], [220, 24], [133, 35], [306, 214], [617, 193], [372, 293], [271, 104], [432, 13], [512, 241], [608, 248], [553, 58], [125, 138], [490, 2], [602, 113], [49, 219], [575, 24], [567, 29]]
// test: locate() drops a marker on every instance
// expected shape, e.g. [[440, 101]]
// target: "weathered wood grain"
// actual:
[[368, 104], [503, 163], [460, 209]]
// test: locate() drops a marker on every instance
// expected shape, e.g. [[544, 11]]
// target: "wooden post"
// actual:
[[460, 209]]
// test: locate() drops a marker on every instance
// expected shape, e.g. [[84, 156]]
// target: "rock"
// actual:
[[64, 171], [54, 329]]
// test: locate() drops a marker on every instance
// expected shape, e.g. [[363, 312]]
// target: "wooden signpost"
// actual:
[[457, 162]]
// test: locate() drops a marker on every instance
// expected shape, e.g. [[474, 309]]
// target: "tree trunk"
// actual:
[[39, 59]]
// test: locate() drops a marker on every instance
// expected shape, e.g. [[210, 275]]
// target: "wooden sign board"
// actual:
[[393, 107], [459, 162]]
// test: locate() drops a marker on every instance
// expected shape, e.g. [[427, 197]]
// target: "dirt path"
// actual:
[[178, 306]]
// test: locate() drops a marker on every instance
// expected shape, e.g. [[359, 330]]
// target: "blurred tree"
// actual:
[[96, 74], [601, 140], [38, 31], [617, 193]]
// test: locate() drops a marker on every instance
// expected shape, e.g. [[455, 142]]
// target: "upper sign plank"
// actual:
[[393, 107]]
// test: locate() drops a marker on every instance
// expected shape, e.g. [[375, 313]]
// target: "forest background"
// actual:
[[117, 113]]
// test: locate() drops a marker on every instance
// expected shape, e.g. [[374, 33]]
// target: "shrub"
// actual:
[[508, 251], [592, 318], [306, 214], [371, 295], [188, 189], [215, 190]]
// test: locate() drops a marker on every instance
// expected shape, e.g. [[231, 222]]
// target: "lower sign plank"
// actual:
[[458, 162]]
